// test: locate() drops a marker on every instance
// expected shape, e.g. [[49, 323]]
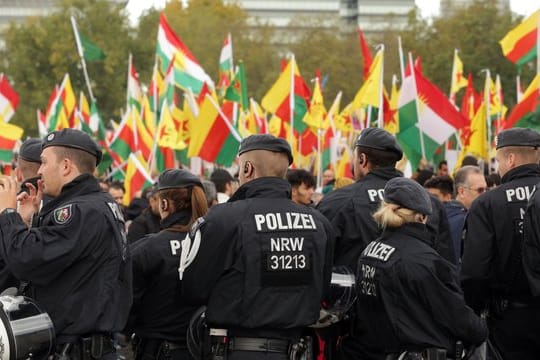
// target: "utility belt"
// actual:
[[218, 344], [427, 354], [90, 347], [155, 349]]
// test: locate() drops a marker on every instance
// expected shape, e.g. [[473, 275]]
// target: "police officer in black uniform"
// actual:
[[407, 293], [264, 262], [492, 270], [160, 316], [350, 211], [75, 259]]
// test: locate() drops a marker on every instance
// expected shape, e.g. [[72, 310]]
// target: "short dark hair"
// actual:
[[221, 177], [117, 185], [444, 184], [441, 163], [297, 177], [379, 158], [84, 161]]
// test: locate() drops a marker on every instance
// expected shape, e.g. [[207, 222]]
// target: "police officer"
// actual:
[[264, 262], [75, 259], [350, 210], [492, 272], [160, 316], [28, 163], [407, 292]]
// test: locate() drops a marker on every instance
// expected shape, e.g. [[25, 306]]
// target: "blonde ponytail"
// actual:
[[394, 216]]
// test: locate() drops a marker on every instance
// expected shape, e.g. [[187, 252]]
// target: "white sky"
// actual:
[[428, 7]]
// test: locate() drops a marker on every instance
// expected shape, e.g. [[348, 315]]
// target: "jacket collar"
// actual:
[[181, 218], [81, 185], [527, 170], [265, 187]]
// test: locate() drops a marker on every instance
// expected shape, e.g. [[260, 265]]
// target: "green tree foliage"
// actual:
[[40, 51]]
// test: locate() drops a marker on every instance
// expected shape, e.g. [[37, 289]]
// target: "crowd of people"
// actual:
[[239, 266]]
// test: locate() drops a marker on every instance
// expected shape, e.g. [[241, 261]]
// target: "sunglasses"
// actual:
[[479, 190]]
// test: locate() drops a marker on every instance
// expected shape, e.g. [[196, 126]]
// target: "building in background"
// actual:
[[289, 16], [449, 6]]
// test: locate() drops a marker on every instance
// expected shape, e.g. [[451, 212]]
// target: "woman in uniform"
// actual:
[[159, 316], [407, 293]]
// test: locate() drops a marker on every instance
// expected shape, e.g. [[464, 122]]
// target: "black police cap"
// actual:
[[408, 194], [266, 142], [518, 137], [177, 179], [379, 139], [74, 139], [31, 150]]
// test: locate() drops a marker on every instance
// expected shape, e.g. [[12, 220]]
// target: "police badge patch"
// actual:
[[62, 214]]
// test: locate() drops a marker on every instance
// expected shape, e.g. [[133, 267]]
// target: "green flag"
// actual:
[[237, 90], [91, 51]]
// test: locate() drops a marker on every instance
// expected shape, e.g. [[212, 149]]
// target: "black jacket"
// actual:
[[492, 264], [264, 262], [410, 296], [159, 310], [144, 224], [75, 260], [350, 211]]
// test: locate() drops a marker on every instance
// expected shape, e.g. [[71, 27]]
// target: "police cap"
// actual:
[[379, 139], [31, 150], [518, 137], [74, 139], [177, 179], [266, 142], [408, 194]]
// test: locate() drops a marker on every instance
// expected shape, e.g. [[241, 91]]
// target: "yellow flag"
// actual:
[[458, 79], [316, 116], [167, 130], [477, 145], [371, 90]]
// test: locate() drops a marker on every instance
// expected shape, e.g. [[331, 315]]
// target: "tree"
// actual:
[[39, 52]]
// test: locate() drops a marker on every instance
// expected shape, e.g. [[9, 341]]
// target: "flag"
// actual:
[[213, 137], [471, 100], [237, 90], [188, 74], [426, 118], [476, 143], [9, 99], [137, 177], [366, 54], [9, 135], [343, 167], [134, 92], [370, 92], [61, 107], [289, 94], [226, 63], [316, 116], [458, 80], [85, 47], [168, 130], [519, 45], [527, 112]]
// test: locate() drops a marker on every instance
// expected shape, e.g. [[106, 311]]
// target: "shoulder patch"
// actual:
[[195, 227], [63, 214]]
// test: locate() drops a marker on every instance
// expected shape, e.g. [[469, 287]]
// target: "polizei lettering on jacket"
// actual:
[[284, 221], [379, 251], [520, 193]]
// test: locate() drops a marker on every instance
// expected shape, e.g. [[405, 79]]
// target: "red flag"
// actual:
[[366, 54]]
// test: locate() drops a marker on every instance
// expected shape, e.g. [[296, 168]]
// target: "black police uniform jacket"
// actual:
[[159, 310], [492, 265], [350, 211], [264, 261], [410, 296], [75, 259], [144, 224]]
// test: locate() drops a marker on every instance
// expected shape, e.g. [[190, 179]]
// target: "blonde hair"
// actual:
[[394, 216]]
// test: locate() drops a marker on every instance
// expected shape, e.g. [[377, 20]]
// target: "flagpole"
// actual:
[[401, 64], [81, 55], [130, 58], [413, 74], [224, 118], [291, 99], [518, 88], [380, 119], [487, 104], [450, 95], [538, 46]]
